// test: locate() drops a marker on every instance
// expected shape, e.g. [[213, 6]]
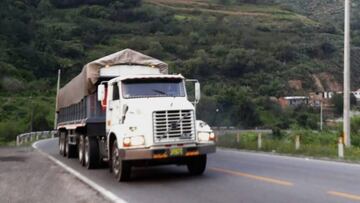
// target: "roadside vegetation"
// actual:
[[20, 114], [317, 144]]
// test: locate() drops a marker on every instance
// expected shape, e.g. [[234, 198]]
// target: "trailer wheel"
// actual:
[[60, 147], [62, 144], [120, 168], [196, 165], [81, 150], [70, 149], [91, 153]]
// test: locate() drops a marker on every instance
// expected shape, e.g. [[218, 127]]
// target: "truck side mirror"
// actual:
[[197, 92], [101, 92]]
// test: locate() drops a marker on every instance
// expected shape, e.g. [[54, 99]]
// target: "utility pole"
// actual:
[[321, 115], [216, 113], [31, 114], [57, 95], [346, 115]]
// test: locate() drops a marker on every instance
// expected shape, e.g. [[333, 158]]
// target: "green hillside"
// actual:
[[243, 52]]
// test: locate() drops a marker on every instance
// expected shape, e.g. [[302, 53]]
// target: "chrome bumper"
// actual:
[[164, 152]]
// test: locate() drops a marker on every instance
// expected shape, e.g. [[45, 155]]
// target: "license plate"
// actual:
[[176, 152]]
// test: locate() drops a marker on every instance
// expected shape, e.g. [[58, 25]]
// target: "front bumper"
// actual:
[[164, 152]]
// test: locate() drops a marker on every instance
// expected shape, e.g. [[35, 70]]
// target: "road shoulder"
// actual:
[[27, 176]]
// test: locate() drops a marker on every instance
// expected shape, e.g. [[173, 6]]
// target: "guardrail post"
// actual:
[[17, 140], [259, 141], [297, 142], [340, 148], [21, 137], [238, 137], [53, 134]]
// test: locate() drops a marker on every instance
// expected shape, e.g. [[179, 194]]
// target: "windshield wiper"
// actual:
[[159, 91]]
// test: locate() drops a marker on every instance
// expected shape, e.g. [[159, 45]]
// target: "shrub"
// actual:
[[12, 85], [8, 131]]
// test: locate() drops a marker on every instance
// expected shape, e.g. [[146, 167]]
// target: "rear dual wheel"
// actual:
[[62, 141], [81, 150], [69, 148], [91, 152]]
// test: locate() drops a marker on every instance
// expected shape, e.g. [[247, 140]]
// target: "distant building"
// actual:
[[293, 101], [315, 98], [321, 95], [356, 94]]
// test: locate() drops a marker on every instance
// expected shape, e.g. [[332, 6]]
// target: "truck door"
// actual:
[[113, 114]]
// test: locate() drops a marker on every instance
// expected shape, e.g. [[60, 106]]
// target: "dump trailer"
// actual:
[[125, 110]]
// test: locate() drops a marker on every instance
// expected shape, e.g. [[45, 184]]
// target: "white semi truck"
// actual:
[[126, 110]]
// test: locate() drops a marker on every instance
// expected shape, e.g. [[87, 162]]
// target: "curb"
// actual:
[[106, 193]]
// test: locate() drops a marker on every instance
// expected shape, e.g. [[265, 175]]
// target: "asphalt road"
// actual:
[[232, 176]]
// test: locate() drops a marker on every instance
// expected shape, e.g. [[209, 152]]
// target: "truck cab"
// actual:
[[149, 120]]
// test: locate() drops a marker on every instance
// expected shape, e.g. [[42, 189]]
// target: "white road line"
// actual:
[[106, 193]]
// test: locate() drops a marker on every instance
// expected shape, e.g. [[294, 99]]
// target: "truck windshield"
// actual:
[[168, 87]]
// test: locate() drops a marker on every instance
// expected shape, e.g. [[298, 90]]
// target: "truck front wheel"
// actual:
[[91, 157], [196, 165], [120, 168]]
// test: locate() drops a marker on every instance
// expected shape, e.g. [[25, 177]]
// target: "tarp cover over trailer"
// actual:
[[84, 83]]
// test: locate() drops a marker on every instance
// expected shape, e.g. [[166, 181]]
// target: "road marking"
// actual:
[[106, 193], [255, 177], [345, 195]]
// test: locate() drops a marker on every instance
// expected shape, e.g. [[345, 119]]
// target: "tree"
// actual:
[[236, 62], [286, 52], [338, 101], [9, 131]]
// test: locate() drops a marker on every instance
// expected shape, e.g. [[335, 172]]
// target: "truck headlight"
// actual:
[[134, 141], [206, 136]]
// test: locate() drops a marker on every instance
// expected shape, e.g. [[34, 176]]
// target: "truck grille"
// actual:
[[174, 125]]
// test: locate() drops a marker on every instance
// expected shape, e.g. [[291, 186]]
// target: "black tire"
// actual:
[[81, 150], [70, 149], [120, 168], [62, 149], [197, 165], [91, 150]]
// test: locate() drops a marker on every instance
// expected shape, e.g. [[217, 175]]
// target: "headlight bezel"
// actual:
[[134, 141], [206, 136]]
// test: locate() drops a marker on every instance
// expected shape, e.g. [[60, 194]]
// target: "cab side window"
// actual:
[[115, 95]]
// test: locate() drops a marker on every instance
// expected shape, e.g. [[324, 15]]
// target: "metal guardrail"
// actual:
[[32, 136], [260, 139], [224, 131]]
